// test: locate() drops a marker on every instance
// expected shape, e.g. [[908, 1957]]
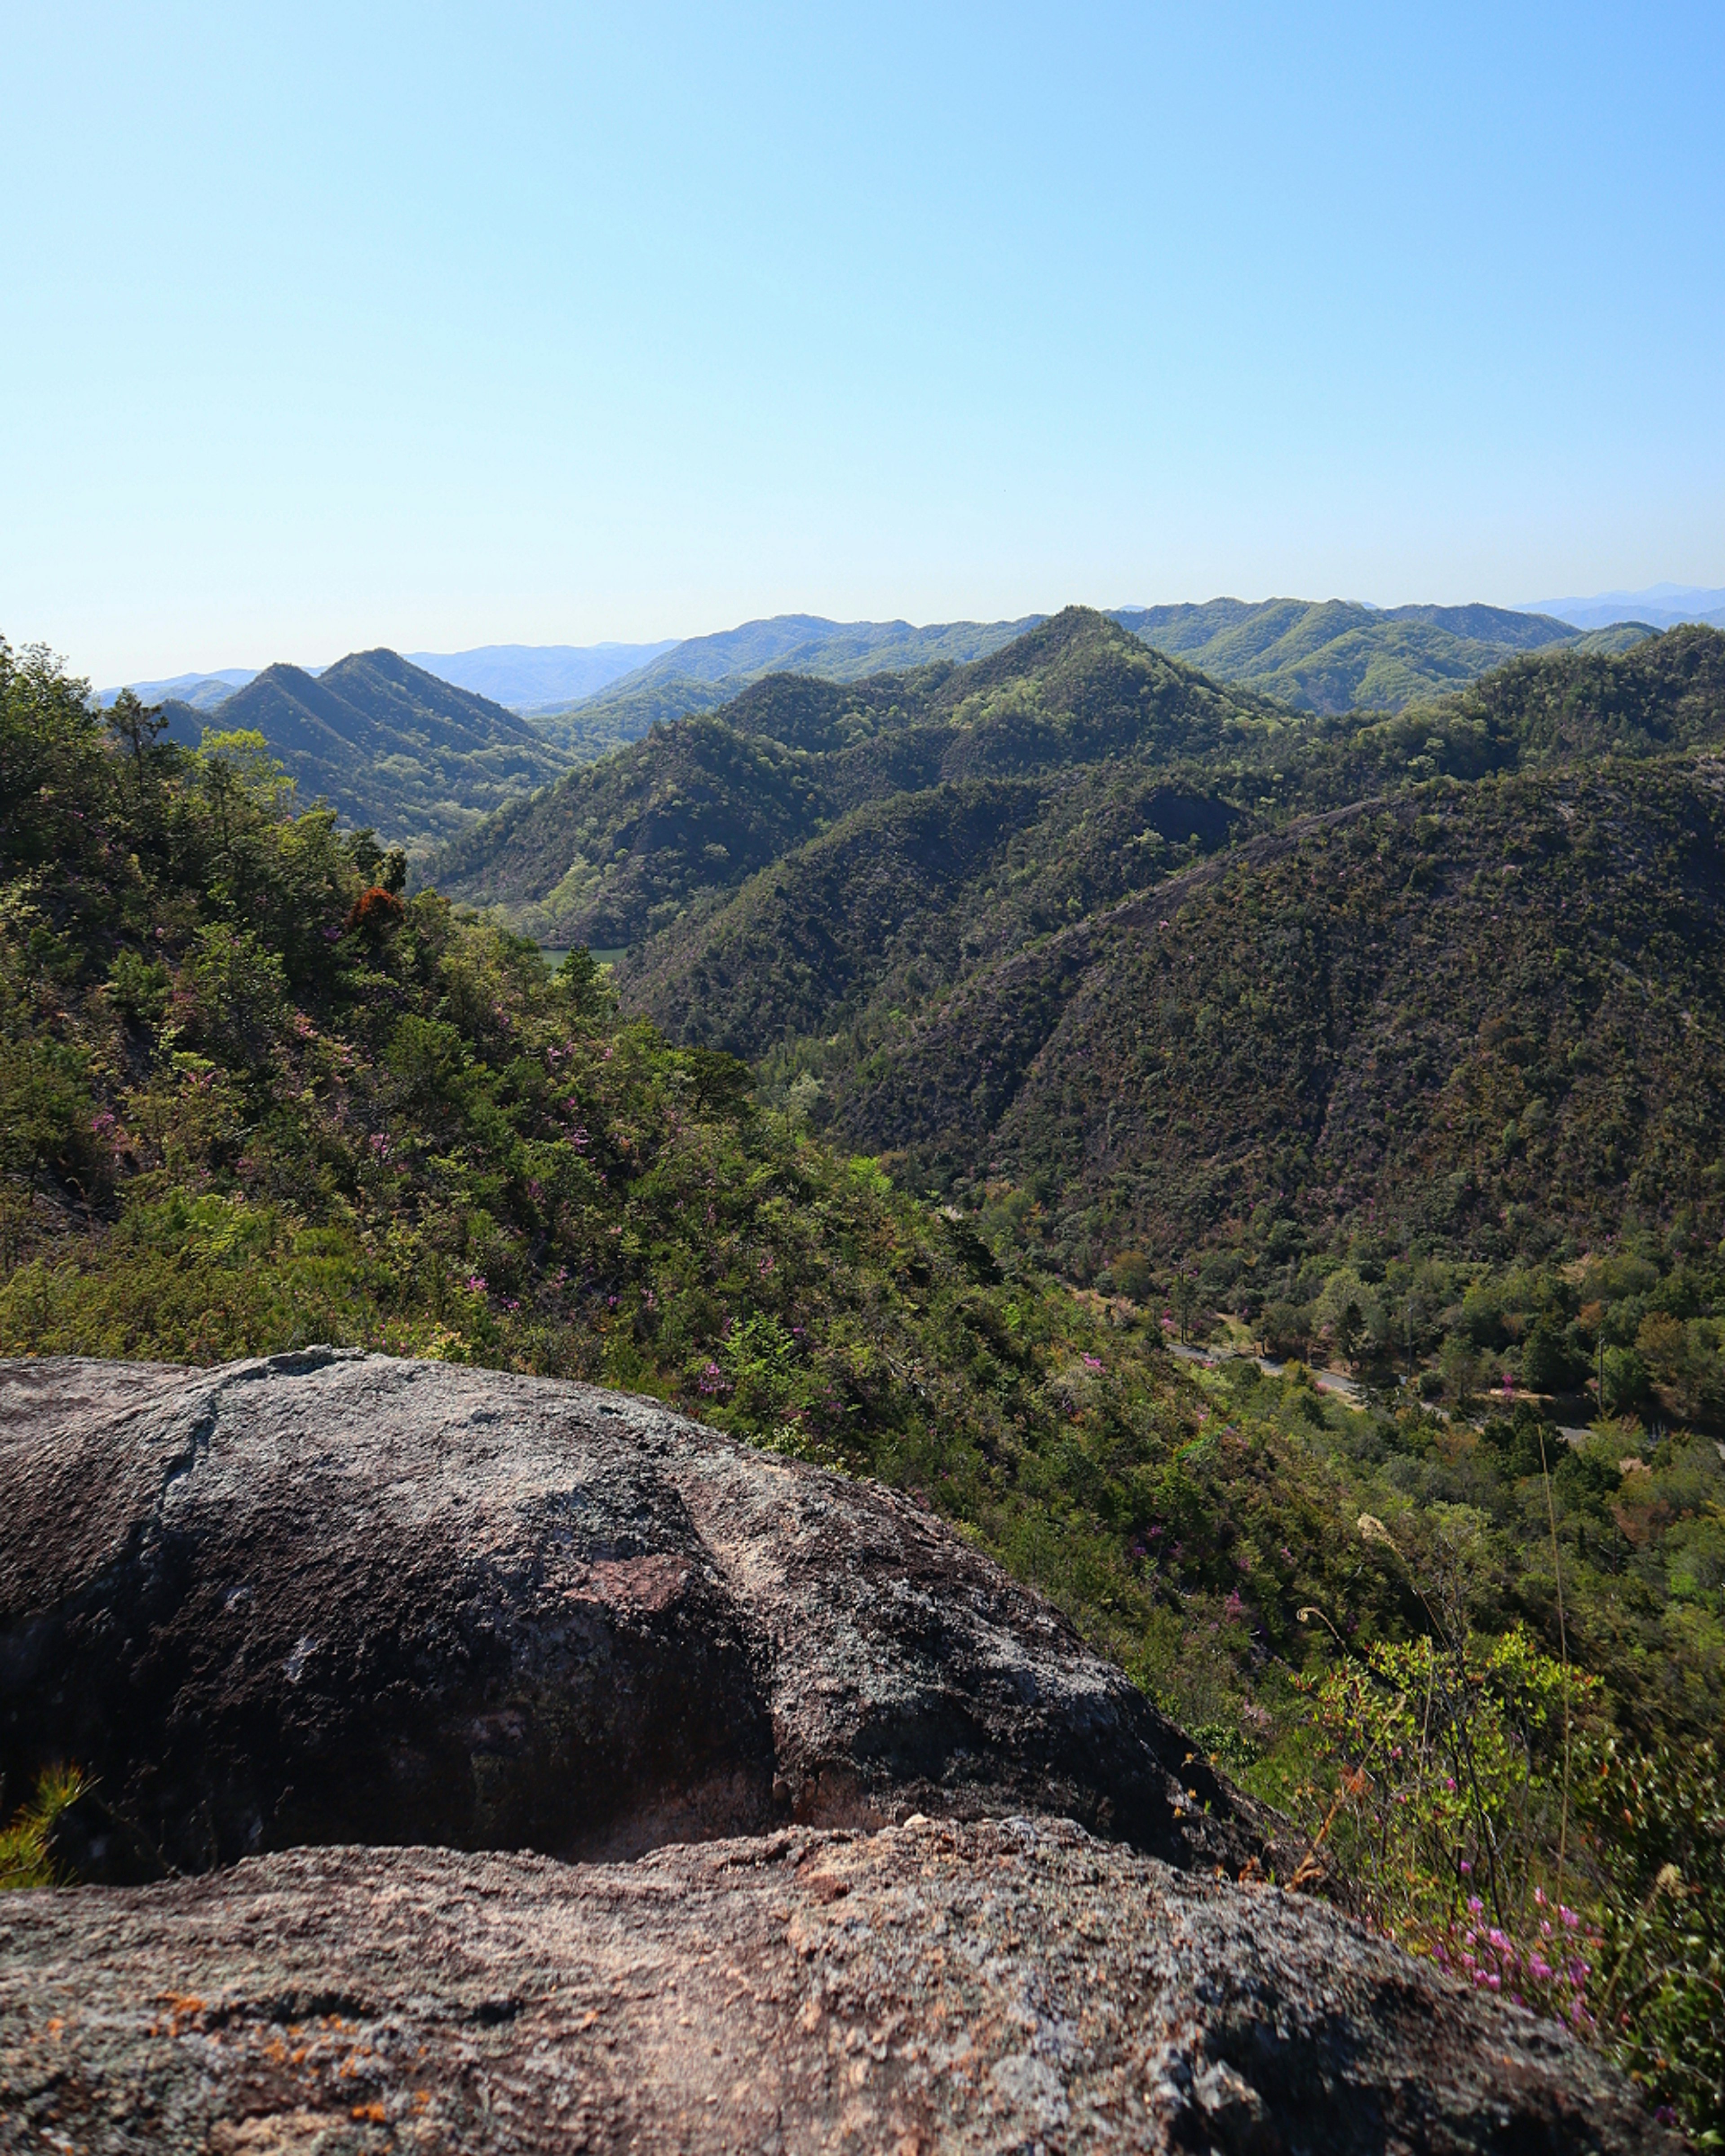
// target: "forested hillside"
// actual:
[[1207, 1016], [385, 743], [1445, 1014], [1332, 656], [1105, 816]]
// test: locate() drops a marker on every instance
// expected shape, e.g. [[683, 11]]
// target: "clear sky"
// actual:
[[433, 325]]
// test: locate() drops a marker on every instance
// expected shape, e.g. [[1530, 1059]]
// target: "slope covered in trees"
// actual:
[[1444, 984], [1332, 656], [1445, 1012], [1086, 829], [385, 743]]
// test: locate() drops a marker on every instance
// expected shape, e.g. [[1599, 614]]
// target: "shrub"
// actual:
[[26, 1846]]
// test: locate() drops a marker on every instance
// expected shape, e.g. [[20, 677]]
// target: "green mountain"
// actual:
[[1327, 658], [1621, 636], [704, 672], [1332, 656], [1454, 1016], [385, 743], [615, 852]]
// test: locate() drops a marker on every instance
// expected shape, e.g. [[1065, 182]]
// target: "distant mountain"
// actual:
[[1334, 656], [199, 692], [530, 676], [832, 650], [387, 744], [1663, 605], [704, 672]]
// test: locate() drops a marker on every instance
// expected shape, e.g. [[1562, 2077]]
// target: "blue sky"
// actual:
[[436, 326]]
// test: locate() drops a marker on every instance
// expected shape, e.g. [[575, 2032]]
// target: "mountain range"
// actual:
[[1163, 952], [704, 672], [1661, 606], [623, 848], [421, 757], [200, 692], [1330, 655]]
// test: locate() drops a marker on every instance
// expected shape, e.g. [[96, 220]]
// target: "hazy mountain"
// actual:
[[527, 676], [387, 744], [1333, 656], [199, 692], [1663, 605]]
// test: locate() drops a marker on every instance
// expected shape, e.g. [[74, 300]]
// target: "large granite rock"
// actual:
[[1006, 1986], [333, 1597]]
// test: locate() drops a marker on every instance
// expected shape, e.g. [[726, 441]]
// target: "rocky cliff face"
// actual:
[[1006, 1986], [332, 1597]]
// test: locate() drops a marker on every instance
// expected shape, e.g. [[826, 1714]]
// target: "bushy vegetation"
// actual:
[[1477, 1815]]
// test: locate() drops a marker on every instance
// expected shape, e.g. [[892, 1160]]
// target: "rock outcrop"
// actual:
[[1002, 1985], [337, 1597]]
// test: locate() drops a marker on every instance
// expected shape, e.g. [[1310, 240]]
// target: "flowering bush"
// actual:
[[1440, 1796]]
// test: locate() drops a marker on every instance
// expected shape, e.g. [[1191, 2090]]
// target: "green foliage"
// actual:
[[26, 1856], [1445, 1760], [1437, 1790], [1659, 1845]]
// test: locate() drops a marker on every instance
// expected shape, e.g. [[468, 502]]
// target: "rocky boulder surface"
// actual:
[[1004, 1985], [331, 1596]]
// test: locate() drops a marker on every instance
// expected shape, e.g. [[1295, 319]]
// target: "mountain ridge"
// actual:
[[1664, 606]]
